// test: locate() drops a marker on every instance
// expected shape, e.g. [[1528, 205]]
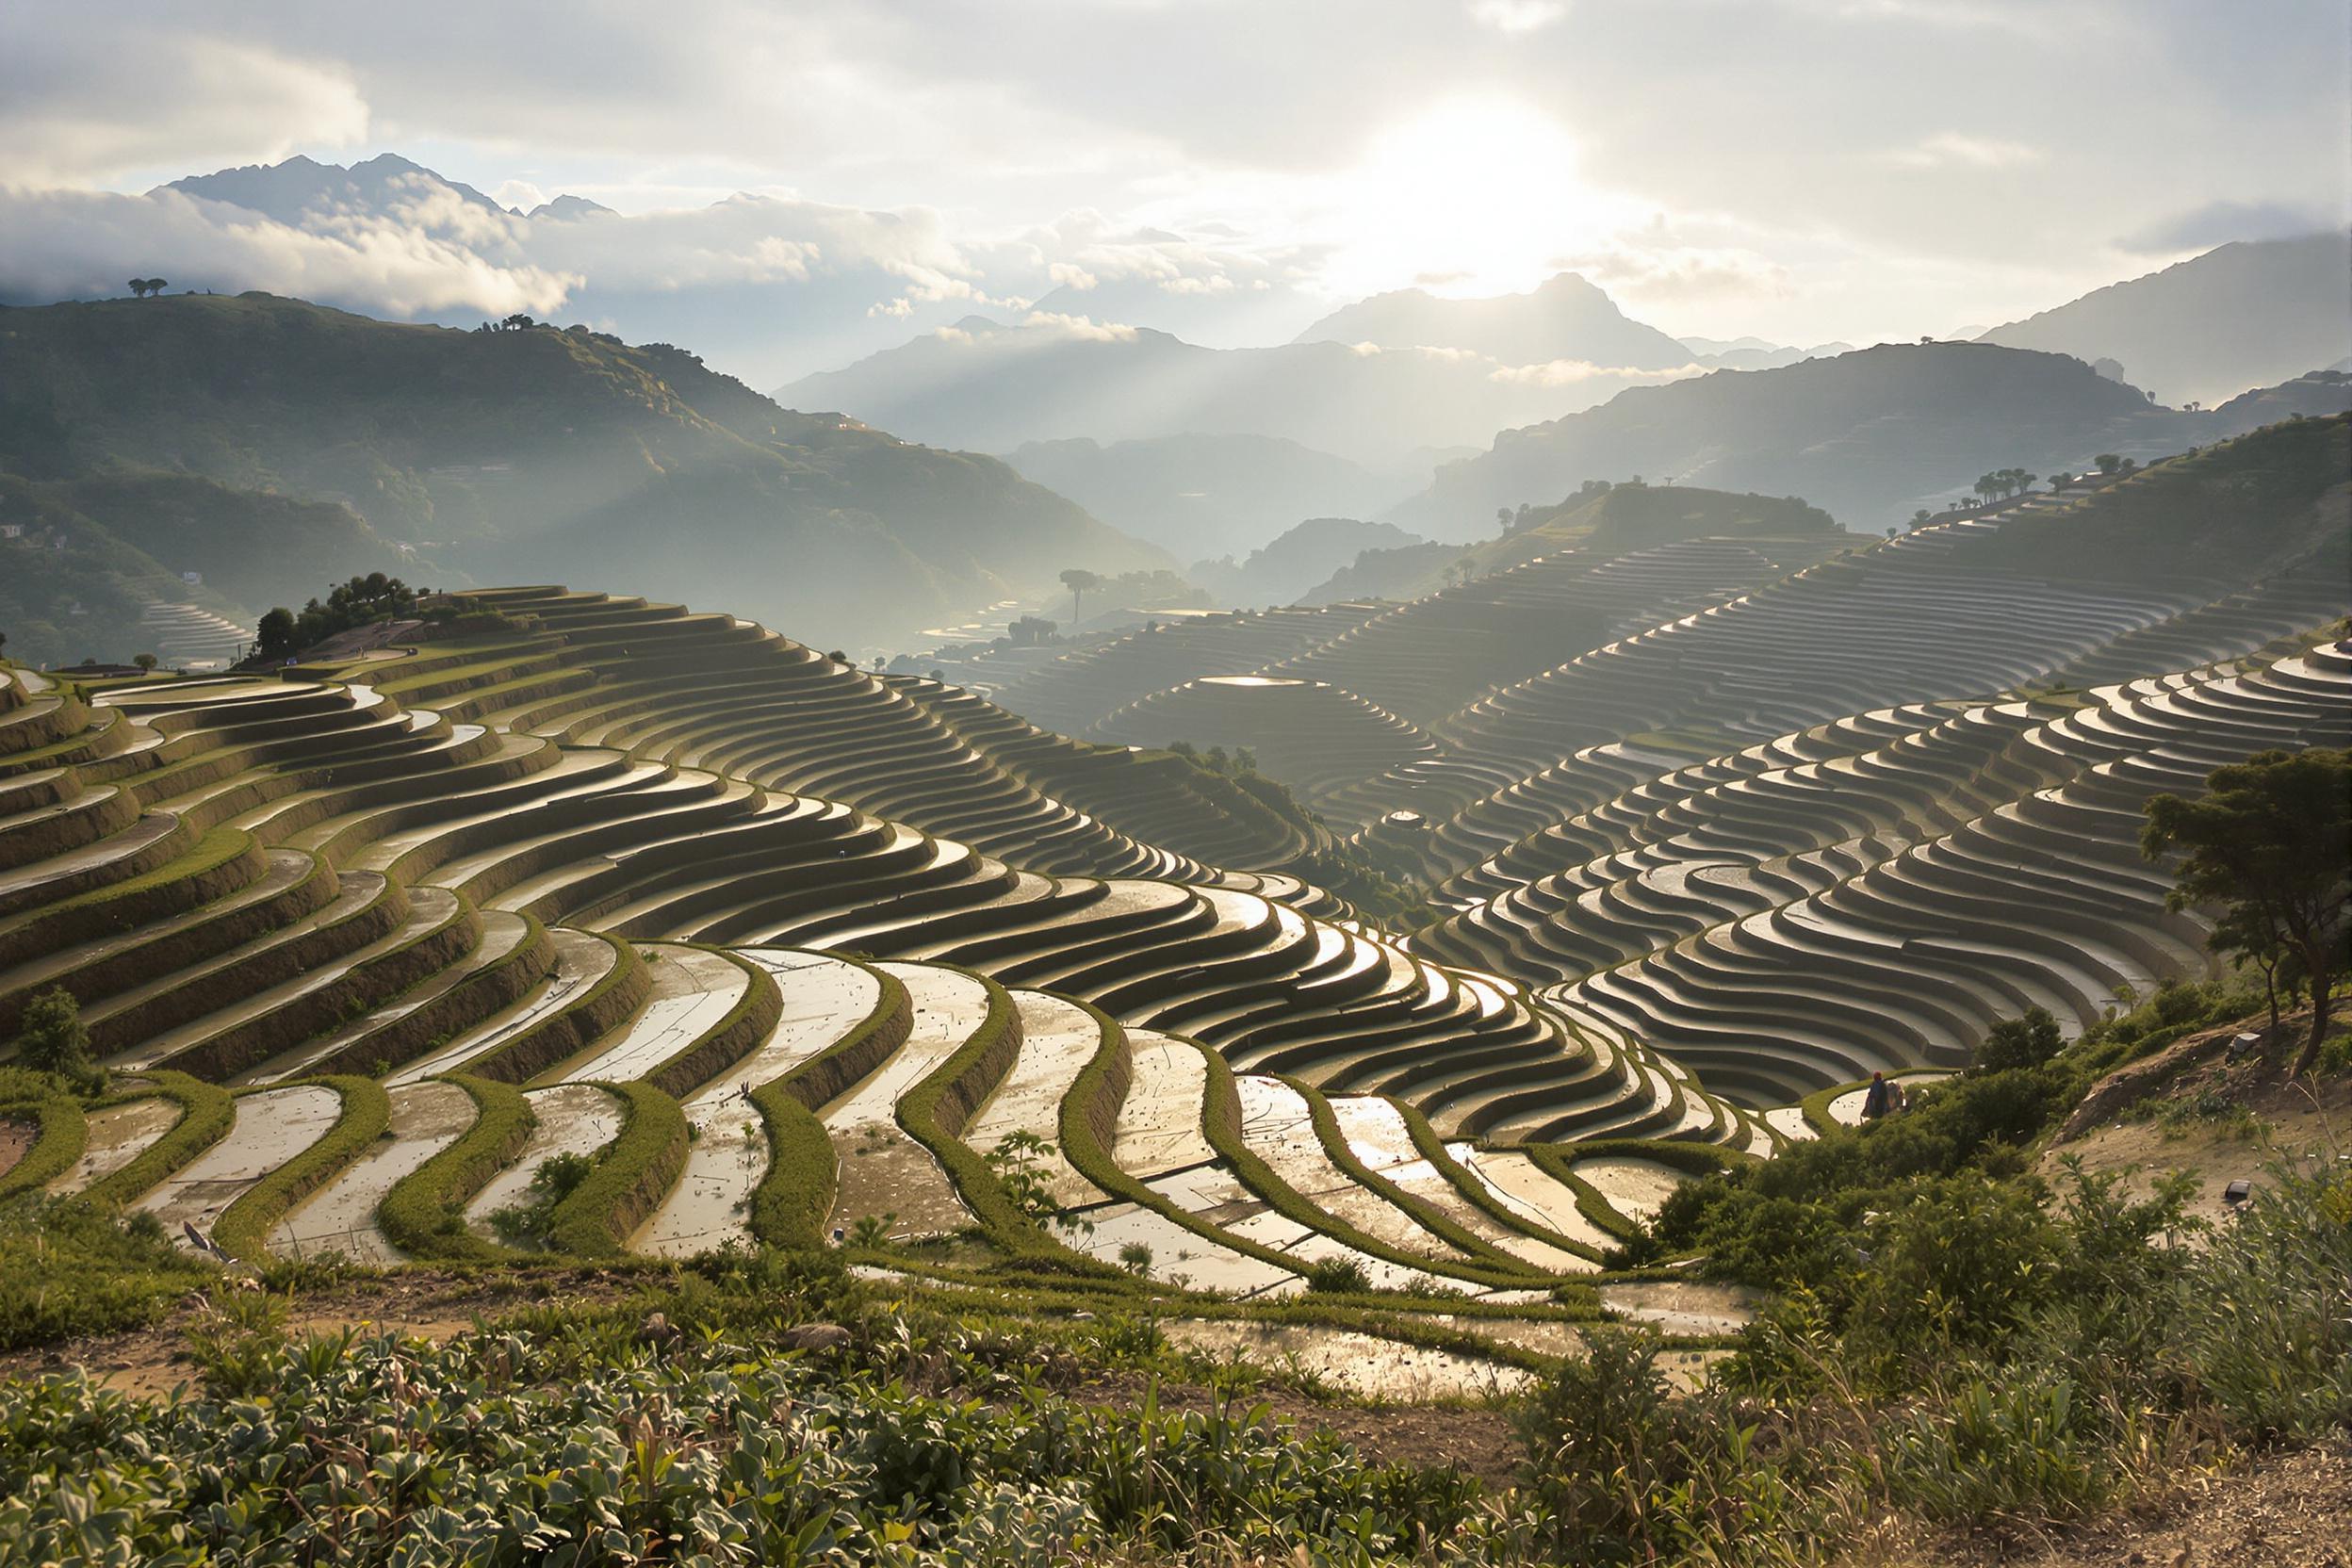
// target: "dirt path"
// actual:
[[428, 1303], [2281, 1510]]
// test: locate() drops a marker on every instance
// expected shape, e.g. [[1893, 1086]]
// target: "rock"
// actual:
[[823, 1338]]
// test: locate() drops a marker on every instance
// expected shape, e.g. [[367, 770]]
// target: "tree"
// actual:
[[2270, 845], [2027, 1040], [2108, 463], [145, 660], [53, 1038], [274, 637], [1080, 582]]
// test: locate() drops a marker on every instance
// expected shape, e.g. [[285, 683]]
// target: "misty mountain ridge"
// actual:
[[486, 454], [1871, 436], [985, 386], [1198, 495], [1613, 518], [1290, 565], [2246, 315], [1566, 318]]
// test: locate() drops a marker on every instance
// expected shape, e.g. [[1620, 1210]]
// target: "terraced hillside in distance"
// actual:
[[581, 924]]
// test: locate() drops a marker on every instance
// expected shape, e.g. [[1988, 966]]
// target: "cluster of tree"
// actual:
[[2003, 483], [2269, 844], [141, 288], [2111, 465], [357, 602], [1526, 515]]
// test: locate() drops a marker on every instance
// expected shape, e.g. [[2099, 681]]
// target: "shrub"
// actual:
[[2028, 1040], [526, 1223], [54, 1039], [1337, 1276], [66, 1269]]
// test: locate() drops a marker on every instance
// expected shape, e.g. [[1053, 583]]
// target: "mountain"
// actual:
[[1207, 496], [2245, 315], [1755, 354], [1291, 566], [302, 189], [1613, 518], [1869, 436], [993, 387], [493, 453], [1567, 318]]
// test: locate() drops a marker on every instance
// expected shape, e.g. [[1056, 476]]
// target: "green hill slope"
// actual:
[[2227, 514], [484, 453], [1614, 520], [1871, 437]]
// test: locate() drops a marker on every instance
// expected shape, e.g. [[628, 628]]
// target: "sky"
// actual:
[[847, 173]]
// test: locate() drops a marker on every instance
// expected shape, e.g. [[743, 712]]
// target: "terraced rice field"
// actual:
[[1712, 827]]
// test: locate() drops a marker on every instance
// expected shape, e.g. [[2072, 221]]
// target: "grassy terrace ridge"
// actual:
[[424, 1213]]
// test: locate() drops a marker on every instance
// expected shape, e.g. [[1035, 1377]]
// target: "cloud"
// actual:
[[1953, 150], [72, 244], [1080, 327], [2219, 223], [1516, 16], [1575, 373], [81, 106]]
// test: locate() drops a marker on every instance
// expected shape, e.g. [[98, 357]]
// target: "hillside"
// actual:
[[1291, 563], [483, 451], [1615, 519], [1207, 496], [2278, 498], [2243, 316], [92, 553], [992, 387], [1869, 436], [1567, 318]]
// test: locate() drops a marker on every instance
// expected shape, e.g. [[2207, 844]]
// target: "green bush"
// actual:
[[54, 1039], [68, 1271]]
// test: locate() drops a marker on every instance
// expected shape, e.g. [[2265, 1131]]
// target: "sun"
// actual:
[[1470, 196]]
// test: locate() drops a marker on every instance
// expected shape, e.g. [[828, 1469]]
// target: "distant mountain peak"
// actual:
[[2249, 314], [295, 187], [1566, 318]]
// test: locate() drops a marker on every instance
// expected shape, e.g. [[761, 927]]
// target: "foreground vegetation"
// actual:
[[1951, 1341]]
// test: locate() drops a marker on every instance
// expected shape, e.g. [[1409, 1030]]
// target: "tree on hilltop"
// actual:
[[1080, 582], [2270, 845]]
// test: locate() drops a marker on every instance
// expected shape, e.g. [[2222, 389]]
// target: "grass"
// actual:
[[1221, 1122], [794, 1196], [207, 1113], [68, 1268], [243, 1228], [424, 1213], [629, 1178], [62, 1133]]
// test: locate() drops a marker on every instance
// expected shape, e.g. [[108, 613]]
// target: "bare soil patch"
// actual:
[[423, 1303], [2278, 1510]]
